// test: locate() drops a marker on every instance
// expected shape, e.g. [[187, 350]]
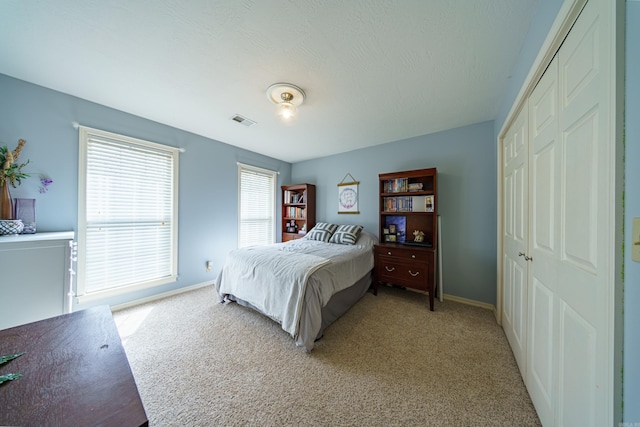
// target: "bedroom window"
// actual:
[[127, 214], [257, 222]]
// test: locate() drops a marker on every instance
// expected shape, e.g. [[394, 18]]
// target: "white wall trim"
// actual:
[[471, 302], [160, 296]]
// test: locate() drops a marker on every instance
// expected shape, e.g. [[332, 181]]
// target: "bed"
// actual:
[[303, 284]]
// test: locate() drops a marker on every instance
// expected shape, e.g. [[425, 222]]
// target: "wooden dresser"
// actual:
[[412, 267]]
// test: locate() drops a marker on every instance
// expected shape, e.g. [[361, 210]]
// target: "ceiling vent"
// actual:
[[243, 120]]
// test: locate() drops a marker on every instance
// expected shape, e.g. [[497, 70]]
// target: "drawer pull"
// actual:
[[414, 274], [389, 269], [389, 253], [413, 256]]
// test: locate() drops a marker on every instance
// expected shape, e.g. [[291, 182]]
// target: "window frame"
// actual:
[[85, 134], [273, 191]]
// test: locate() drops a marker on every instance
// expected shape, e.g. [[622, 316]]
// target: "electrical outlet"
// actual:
[[635, 240], [209, 266]]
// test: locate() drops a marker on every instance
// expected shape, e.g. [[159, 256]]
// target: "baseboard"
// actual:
[[471, 302], [461, 300], [160, 296]]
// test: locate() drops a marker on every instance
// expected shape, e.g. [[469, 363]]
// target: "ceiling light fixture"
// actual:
[[287, 97]]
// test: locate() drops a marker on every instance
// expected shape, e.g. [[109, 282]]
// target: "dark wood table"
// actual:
[[75, 373]]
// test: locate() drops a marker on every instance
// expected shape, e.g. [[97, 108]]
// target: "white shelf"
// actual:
[[56, 235]]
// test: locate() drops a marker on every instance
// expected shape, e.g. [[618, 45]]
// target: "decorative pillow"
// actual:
[[346, 234], [322, 231]]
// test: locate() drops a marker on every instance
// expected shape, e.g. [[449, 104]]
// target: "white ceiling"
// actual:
[[374, 71]]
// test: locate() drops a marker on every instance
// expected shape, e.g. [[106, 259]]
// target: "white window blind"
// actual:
[[128, 213], [257, 206]]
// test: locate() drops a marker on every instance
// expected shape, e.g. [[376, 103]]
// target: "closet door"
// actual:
[[515, 238], [570, 279], [545, 206], [584, 261]]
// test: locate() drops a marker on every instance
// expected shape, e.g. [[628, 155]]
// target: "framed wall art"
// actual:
[[348, 196]]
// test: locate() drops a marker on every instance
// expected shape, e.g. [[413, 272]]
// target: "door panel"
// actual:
[[584, 285], [540, 376], [544, 199], [543, 119], [576, 405], [515, 210], [580, 194]]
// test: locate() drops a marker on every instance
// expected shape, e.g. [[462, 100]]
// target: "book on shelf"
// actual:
[[292, 197], [398, 185], [295, 212], [408, 203]]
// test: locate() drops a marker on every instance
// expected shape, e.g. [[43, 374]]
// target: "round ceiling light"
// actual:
[[287, 97]]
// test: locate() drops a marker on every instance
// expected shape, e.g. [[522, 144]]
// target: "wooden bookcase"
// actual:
[[408, 202], [298, 208]]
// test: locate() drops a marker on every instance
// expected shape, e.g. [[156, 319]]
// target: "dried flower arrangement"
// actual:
[[11, 171]]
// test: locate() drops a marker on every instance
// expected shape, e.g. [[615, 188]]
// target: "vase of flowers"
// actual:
[[10, 174]]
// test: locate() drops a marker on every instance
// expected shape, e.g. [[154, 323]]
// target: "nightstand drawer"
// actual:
[[403, 253], [404, 273]]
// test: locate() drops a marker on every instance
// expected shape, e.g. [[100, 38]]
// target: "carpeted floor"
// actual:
[[389, 361]]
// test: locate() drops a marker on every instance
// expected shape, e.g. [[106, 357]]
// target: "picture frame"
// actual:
[[348, 198], [292, 227], [390, 238], [429, 203], [399, 224]]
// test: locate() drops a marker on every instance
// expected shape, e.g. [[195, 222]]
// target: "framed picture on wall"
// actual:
[[348, 198]]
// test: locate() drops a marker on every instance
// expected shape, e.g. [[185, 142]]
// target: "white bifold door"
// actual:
[[558, 230]]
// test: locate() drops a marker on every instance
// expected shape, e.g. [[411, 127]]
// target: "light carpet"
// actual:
[[388, 361]]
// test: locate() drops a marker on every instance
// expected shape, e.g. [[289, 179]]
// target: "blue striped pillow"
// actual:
[[322, 231], [346, 234]]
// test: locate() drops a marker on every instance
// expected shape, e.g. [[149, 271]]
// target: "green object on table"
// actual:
[[5, 359], [9, 377]]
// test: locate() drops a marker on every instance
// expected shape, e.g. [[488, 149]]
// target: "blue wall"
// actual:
[[208, 190], [631, 377], [541, 23], [466, 162]]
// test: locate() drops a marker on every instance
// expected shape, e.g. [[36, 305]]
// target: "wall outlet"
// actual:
[[635, 240], [209, 266]]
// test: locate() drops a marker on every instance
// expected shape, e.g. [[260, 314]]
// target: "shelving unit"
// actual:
[[408, 202], [299, 209]]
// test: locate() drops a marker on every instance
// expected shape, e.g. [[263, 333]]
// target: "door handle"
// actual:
[[526, 258]]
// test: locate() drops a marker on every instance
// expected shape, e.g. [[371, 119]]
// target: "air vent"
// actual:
[[243, 120]]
